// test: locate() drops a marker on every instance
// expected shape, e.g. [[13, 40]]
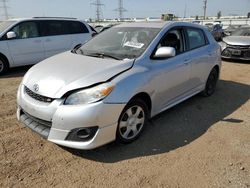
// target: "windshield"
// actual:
[[119, 43], [241, 32], [5, 24]]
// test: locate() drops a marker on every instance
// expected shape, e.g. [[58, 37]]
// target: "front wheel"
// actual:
[[132, 121], [211, 83]]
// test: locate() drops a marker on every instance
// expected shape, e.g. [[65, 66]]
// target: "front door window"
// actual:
[[26, 30]]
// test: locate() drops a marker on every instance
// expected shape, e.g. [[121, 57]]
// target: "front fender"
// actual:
[[130, 83]]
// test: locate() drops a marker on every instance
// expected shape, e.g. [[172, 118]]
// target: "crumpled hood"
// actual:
[[68, 71], [237, 40]]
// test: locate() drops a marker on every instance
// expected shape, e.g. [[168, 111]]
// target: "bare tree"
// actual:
[[219, 14]]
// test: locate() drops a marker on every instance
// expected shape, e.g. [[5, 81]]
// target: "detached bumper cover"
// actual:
[[35, 125], [54, 121], [103, 136]]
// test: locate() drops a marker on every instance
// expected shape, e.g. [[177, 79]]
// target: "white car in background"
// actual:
[[29, 41]]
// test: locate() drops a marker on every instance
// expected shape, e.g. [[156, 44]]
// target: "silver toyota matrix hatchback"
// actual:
[[108, 88]]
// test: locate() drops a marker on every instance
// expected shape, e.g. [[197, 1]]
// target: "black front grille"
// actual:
[[37, 96]]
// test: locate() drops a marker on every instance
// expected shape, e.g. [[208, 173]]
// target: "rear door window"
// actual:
[[54, 27], [196, 38], [77, 27]]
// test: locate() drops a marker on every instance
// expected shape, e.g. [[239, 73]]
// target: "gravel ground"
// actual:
[[203, 142]]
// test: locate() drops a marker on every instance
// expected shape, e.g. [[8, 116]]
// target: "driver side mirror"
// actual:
[[11, 35], [165, 52]]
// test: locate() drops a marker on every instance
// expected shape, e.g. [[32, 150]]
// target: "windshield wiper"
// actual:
[[102, 55], [77, 49]]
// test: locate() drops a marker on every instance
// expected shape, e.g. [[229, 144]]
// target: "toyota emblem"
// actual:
[[36, 87]]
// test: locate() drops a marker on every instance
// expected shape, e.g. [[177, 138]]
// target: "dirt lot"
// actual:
[[203, 142]]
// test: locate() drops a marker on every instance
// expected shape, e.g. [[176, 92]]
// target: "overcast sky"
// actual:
[[135, 8]]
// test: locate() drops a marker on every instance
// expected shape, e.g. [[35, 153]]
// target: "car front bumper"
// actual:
[[243, 53], [54, 121]]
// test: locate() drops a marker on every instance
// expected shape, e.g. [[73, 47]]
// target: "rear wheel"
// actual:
[[211, 83], [132, 121], [3, 66]]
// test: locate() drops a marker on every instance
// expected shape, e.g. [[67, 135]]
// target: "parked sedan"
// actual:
[[108, 88], [237, 46]]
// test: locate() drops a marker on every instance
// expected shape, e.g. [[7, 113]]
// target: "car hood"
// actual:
[[237, 40], [68, 71]]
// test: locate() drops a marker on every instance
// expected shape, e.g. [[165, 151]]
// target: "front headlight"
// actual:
[[223, 45], [90, 95]]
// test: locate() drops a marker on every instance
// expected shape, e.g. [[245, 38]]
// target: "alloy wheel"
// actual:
[[132, 122]]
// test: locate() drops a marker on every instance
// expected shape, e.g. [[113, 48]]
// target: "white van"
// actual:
[[29, 41]]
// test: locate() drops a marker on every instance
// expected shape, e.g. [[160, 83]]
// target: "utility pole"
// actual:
[[185, 11], [98, 5], [5, 9], [205, 9], [120, 9]]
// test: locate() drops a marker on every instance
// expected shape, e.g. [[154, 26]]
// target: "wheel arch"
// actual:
[[145, 97], [5, 59], [217, 68]]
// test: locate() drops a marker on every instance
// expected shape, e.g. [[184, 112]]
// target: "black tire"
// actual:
[[211, 83], [135, 106], [4, 66]]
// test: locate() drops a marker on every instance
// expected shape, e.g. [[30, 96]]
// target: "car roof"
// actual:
[[160, 24], [144, 24], [42, 18]]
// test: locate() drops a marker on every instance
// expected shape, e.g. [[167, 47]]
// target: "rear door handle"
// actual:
[[48, 40]]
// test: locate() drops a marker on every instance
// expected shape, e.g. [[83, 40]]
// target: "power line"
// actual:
[[98, 5], [5, 9], [205, 9], [120, 9]]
